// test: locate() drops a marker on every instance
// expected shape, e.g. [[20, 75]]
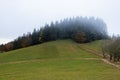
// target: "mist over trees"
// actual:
[[79, 29]]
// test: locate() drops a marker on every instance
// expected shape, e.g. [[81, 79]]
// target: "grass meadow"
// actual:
[[56, 60]]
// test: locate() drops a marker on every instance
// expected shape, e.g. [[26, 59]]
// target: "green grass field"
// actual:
[[56, 60]]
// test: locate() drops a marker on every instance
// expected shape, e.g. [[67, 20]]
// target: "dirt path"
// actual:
[[108, 62], [98, 54], [90, 51]]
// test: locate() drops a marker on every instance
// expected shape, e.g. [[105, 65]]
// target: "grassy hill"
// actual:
[[56, 60], [49, 50]]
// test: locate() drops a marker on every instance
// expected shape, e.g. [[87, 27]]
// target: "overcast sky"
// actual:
[[22, 16]]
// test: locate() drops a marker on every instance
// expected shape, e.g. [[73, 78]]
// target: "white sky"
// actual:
[[22, 16]]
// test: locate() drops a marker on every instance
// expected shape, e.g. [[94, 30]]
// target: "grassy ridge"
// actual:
[[57, 60], [55, 49]]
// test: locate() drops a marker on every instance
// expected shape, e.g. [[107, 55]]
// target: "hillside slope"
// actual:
[[56, 60], [54, 49]]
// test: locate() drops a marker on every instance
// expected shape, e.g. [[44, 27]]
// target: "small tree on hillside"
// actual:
[[9, 46], [80, 37]]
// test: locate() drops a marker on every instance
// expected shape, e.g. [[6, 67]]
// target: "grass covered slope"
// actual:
[[57, 60], [54, 49], [59, 70], [95, 46]]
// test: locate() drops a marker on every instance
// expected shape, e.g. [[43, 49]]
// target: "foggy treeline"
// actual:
[[79, 29]]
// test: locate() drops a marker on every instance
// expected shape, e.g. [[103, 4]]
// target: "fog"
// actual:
[[22, 16]]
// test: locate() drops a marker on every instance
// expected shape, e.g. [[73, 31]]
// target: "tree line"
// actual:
[[79, 29], [111, 49]]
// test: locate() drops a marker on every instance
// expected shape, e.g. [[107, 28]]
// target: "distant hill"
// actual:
[[79, 29]]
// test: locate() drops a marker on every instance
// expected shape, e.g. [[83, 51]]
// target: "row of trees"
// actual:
[[80, 29], [111, 49]]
